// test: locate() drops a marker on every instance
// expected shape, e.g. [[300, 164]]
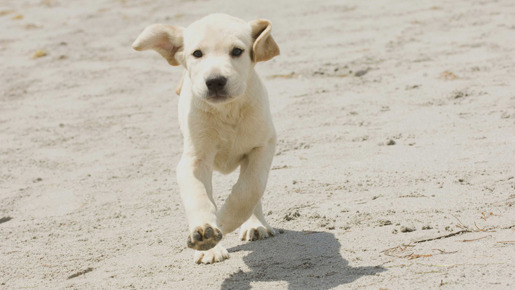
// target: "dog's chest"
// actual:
[[235, 140]]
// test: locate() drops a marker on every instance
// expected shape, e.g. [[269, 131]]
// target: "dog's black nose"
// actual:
[[216, 83]]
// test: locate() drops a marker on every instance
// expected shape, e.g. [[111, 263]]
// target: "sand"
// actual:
[[395, 165]]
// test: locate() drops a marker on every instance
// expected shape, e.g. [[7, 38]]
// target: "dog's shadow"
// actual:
[[305, 260]]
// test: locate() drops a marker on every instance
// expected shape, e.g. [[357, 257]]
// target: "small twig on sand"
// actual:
[[475, 239], [442, 252], [479, 229], [80, 273], [505, 242], [399, 252], [461, 225], [416, 256], [484, 216], [443, 237], [396, 251]]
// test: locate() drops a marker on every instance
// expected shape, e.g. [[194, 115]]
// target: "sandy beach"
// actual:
[[395, 162]]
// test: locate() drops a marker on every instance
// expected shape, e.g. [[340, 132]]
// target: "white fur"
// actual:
[[221, 134]]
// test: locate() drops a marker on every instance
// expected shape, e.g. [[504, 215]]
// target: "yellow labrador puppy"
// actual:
[[225, 120]]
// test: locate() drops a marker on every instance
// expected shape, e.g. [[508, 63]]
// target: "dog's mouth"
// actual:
[[217, 97]]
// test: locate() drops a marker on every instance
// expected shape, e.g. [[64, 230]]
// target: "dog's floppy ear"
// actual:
[[165, 39], [264, 47]]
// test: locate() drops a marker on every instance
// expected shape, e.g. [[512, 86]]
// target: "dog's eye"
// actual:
[[197, 53], [236, 52]]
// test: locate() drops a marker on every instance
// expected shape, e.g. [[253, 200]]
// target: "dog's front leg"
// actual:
[[194, 178], [249, 188]]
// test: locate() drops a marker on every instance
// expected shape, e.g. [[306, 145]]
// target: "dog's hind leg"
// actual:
[[256, 227]]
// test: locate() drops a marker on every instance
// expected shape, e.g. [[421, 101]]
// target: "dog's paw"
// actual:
[[214, 255], [205, 237], [255, 232]]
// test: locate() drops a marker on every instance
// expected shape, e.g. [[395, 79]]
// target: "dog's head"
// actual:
[[218, 51]]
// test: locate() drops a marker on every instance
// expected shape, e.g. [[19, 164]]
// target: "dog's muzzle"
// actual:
[[216, 88]]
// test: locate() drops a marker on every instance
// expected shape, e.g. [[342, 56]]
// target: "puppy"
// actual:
[[225, 121]]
